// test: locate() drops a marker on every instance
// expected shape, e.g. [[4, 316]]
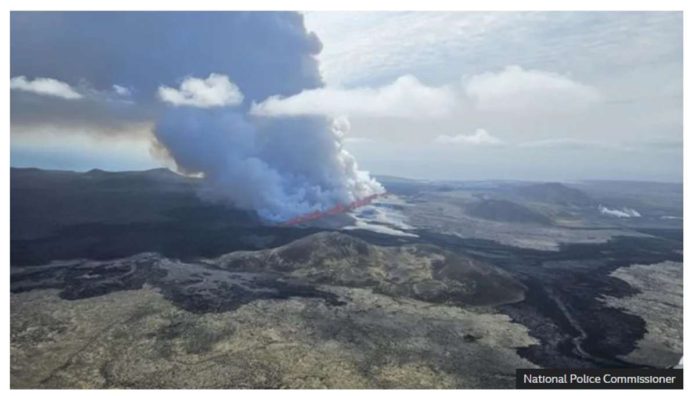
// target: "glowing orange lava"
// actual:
[[339, 208]]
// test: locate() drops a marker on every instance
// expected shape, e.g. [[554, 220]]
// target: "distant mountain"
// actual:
[[44, 201], [401, 185], [505, 211], [35, 178], [555, 193]]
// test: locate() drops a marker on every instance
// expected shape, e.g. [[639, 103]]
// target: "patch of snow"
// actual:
[[623, 213], [671, 218]]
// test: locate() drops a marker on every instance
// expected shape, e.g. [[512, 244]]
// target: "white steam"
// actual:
[[280, 168]]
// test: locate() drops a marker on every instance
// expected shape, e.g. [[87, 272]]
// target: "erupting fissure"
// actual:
[[337, 209]]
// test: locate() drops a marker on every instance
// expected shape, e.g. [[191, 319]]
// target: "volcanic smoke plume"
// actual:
[[196, 75], [281, 168]]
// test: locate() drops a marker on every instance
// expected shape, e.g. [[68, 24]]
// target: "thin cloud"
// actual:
[[479, 138], [357, 140], [44, 86], [121, 90], [373, 46], [574, 144], [215, 91], [520, 91], [406, 97]]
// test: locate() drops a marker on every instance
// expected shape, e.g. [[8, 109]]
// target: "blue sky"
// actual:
[[461, 95]]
